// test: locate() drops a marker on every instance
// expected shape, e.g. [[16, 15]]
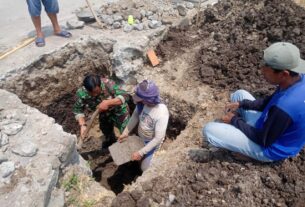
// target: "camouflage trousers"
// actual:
[[109, 120]]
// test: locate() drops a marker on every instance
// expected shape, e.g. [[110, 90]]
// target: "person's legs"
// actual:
[[146, 162], [229, 137], [147, 158], [34, 7], [52, 8], [250, 116], [106, 126], [121, 122], [37, 24]]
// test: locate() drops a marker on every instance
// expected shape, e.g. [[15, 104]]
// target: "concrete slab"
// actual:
[[121, 152]]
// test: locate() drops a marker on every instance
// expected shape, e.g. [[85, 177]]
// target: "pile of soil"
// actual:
[[230, 41], [237, 32]]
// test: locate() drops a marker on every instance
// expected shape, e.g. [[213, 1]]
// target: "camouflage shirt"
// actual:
[[109, 90]]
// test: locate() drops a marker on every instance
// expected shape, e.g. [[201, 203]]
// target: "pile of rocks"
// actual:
[[145, 14]]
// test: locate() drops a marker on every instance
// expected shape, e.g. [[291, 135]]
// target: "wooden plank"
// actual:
[[21, 45]]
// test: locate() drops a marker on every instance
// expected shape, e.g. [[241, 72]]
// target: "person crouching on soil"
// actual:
[[273, 128], [152, 116], [110, 99]]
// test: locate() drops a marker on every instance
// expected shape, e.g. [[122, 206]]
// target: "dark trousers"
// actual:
[[108, 121]]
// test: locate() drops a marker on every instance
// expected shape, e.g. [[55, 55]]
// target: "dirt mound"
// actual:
[[230, 42], [237, 32]]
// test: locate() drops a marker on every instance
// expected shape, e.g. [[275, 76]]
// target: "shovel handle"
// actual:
[[90, 123]]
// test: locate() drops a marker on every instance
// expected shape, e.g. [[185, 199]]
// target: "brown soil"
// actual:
[[230, 41], [224, 53]]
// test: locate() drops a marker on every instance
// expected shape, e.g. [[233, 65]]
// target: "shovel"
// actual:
[[89, 126]]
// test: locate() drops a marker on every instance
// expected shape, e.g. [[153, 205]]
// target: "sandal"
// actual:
[[40, 42], [64, 33]]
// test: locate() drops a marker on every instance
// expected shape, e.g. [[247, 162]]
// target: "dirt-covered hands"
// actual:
[[103, 106], [136, 156], [231, 107], [122, 137], [227, 117]]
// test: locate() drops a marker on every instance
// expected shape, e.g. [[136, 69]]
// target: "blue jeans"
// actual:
[[147, 158], [34, 6], [229, 137]]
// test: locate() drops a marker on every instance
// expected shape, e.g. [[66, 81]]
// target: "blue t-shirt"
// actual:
[[292, 101]]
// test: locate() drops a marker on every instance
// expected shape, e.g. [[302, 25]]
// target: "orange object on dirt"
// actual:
[[153, 57]]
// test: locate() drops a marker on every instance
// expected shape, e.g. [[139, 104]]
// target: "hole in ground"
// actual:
[[50, 84]]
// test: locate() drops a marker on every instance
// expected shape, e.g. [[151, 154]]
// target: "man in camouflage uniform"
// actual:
[[111, 101]]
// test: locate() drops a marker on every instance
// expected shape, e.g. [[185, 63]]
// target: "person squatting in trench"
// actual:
[[269, 129], [152, 116], [110, 99]]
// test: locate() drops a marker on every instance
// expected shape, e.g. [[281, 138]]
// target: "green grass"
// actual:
[[72, 182], [89, 203]]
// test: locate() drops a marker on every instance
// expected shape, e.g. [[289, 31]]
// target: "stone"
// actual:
[[153, 17], [36, 177], [117, 18], [171, 198], [107, 19], [184, 23], [147, 186], [167, 20], [6, 169], [109, 11], [189, 5], [11, 128], [127, 28], [143, 13], [3, 139], [25, 149], [136, 194], [85, 16], [200, 155], [154, 24], [139, 4], [193, 1], [149, 13], [138, 27], [3, 157], [123, 199], [181, 10], [75, 24], [57, 198], [116, 25], [121, 151], [143, 202]]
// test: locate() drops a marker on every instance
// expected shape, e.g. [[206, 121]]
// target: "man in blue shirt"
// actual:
[[269, 129]]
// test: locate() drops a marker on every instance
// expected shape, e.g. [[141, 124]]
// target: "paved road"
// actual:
[[16, 24]]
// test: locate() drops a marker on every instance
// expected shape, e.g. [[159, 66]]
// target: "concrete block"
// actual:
[[121, 152]]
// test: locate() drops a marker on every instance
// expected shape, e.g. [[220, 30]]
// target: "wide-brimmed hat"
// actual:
[[147, 91], [284, 56]]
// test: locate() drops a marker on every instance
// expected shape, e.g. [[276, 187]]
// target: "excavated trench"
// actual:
[[230, 39], [49, 85]]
